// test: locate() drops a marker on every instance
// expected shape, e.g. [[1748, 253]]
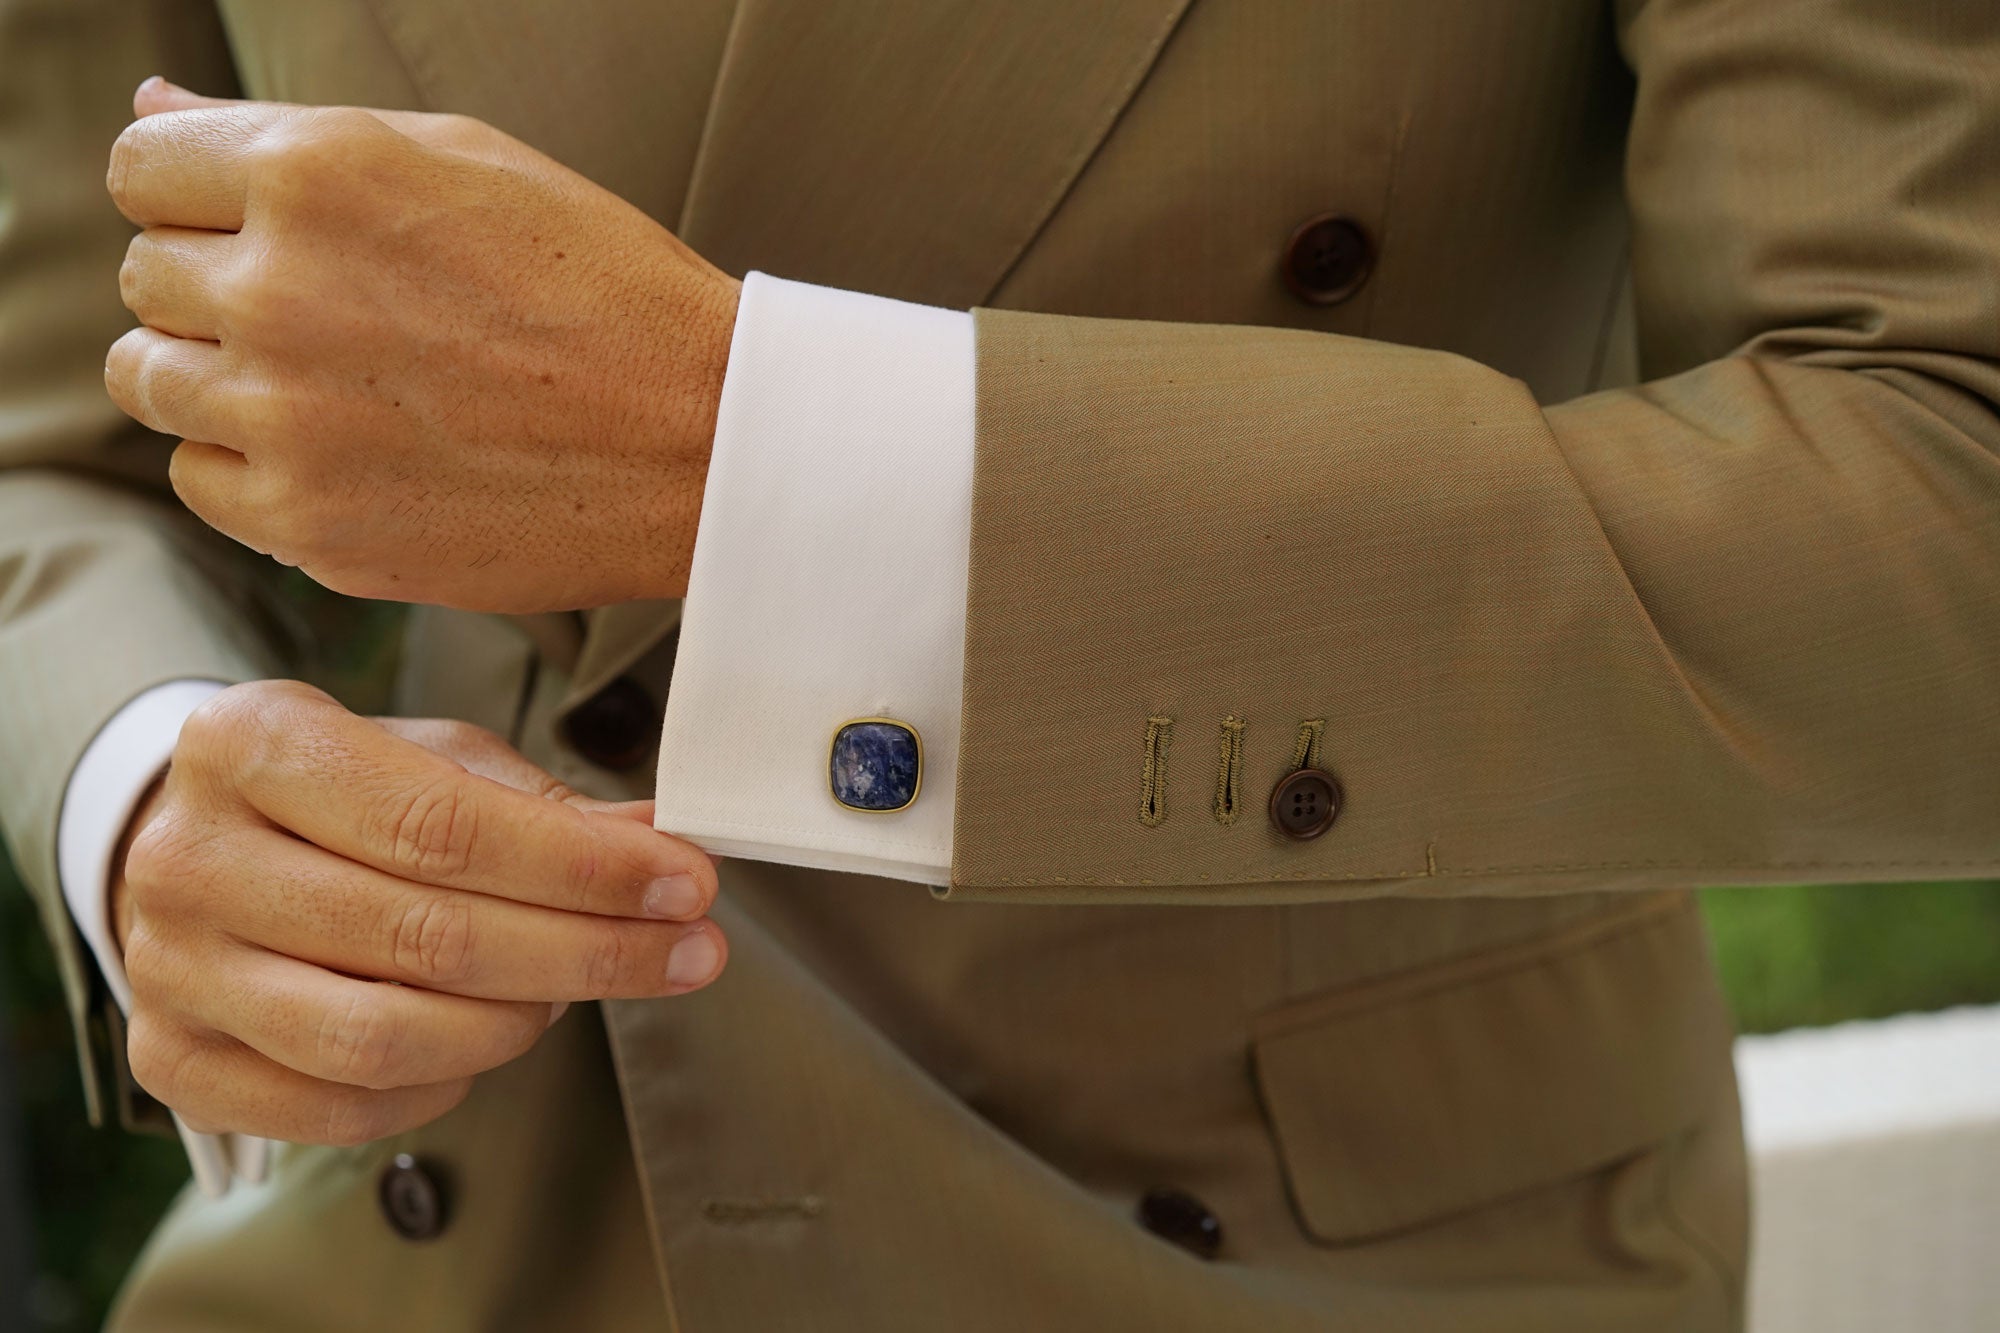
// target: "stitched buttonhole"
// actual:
[[1305, 751], [1153, 774], [1229, 772]]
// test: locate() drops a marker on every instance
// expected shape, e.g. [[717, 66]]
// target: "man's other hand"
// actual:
[[414, 357], [299, 857]]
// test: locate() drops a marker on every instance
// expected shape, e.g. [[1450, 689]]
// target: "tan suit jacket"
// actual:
[[1459, 1063]]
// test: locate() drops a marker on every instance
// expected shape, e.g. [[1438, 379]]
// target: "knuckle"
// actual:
[[469, 135], [274, 414], [225, 727], [158, 1055], [302, 150], [161, 855], [290, 524], [242, 709], [582, 882], [607, 962], [451, 130], [134, 376], [146, 967], [349, 580], [263, 726], [262, 300], [121, 372], [342, 123], [431, 830], [358, 1043], [216, 719], [195, 485], [269, 164], [523, 1029], [463, 735], [351, 1120], [118, 172], [251, 300], [130, 272], [454, 738], [286, 168], [119, 359], [432, 939], [213, 735], [154, 383]]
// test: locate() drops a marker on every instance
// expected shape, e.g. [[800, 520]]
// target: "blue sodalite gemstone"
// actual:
[[875, 765]]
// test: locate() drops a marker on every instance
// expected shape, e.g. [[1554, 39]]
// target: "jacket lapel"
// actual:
[[616, 89], [908, 148]]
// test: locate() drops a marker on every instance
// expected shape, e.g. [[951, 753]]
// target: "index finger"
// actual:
[[190, 168], [349, 786]]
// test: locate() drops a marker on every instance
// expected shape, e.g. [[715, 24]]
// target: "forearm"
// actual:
[[1613, 643]]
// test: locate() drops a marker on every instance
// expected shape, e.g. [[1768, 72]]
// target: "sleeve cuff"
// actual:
[[828, 582]]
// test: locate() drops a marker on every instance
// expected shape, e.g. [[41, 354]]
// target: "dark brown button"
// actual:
[[615, 728], [1305, 804], [1178, 1216], [412, 1199], [1328, 259]]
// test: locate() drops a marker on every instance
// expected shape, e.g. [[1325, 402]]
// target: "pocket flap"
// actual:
[[1431, 1094]]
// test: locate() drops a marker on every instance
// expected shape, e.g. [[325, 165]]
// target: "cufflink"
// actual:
[[875, 764]]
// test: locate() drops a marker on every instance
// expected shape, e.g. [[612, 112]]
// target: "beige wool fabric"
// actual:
[[1632, 527]]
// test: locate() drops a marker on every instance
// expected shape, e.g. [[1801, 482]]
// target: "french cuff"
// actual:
[[814, 714], [104, 791]]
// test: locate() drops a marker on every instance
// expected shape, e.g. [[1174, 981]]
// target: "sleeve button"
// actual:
[[1305, 803], [412, 1199], [1327, 259], [1177, 1216]]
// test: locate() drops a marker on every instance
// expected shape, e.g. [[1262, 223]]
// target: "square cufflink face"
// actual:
[[876, 765]]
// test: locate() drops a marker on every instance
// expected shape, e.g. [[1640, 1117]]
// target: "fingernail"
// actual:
[[673, 895], [693, 960], [557, 1010], [154, 82]]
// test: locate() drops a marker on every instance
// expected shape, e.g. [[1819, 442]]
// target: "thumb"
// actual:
[[156, 95]]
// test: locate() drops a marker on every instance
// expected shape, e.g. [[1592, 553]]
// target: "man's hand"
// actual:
[[413, 356], [299, 856]]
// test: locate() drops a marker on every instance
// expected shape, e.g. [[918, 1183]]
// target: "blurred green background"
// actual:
[[1790, 957]]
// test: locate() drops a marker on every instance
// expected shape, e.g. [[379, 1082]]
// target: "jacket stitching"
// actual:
[[1305, 752], [1153, 771], [1229, 772]]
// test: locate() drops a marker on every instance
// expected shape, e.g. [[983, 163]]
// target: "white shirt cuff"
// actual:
[[829, 581], [104, 792]]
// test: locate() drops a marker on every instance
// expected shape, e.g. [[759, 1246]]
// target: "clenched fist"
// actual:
[[299, 857], [414, 357]]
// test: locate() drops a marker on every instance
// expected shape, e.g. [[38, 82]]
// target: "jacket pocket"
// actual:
[[1432, 1093]]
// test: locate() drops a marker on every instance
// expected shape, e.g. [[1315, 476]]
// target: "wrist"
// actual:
[[705, 329], [718, 322]]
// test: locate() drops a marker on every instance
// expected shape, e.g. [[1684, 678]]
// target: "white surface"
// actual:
[[829, 580], [1906, 1074], [1875, 1160], [105, 788]]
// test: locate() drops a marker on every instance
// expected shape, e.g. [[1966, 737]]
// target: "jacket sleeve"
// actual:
[[1740, 624], [106, 586]]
